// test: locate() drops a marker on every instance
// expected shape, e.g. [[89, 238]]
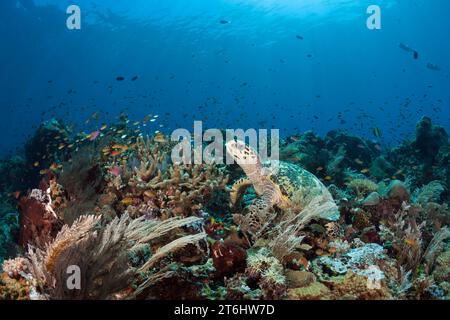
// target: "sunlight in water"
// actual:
[[310, 8]]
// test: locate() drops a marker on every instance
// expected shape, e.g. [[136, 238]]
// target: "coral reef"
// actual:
[[366, 222]]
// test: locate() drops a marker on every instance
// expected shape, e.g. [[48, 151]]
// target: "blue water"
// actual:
[[253, 72]]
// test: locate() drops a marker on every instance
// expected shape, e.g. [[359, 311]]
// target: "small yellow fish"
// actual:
[[36, 164], [365, 170], [127, 201], [411, 242], [160, 138], [328, 178]]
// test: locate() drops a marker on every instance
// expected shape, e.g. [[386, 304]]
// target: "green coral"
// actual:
[[362, 187], [430, 192]]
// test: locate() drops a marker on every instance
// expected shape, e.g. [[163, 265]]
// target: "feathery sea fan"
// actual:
[[102, 255]]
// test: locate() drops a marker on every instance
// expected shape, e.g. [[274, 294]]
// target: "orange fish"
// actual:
[[116, 153], [119, 146]]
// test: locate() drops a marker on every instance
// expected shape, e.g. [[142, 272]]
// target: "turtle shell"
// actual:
[[298, 185]]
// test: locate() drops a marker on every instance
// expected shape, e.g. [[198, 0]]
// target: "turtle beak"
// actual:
[[241, 153], [235, 149]]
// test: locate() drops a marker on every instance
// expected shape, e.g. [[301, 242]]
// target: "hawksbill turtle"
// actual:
[[278, 184]]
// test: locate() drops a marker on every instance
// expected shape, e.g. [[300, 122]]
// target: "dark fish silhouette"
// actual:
[[433, 66]]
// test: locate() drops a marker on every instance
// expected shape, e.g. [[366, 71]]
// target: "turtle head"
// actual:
[[246, 157]]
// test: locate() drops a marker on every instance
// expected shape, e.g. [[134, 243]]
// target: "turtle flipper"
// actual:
[[238, 190], [260, 215]]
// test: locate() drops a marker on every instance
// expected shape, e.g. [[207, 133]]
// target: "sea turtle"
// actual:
[[278, 184]]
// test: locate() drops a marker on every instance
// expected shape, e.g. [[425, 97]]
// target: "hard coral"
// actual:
[[356, 287], [267, 271], [13, 289], [149, 185], [362, 187], [314, 291], [15, 268]]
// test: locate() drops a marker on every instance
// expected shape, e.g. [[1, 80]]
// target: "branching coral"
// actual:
[[149, 185]]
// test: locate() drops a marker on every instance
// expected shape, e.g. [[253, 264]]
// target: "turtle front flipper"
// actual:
[[238, 190], [260, 215]]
